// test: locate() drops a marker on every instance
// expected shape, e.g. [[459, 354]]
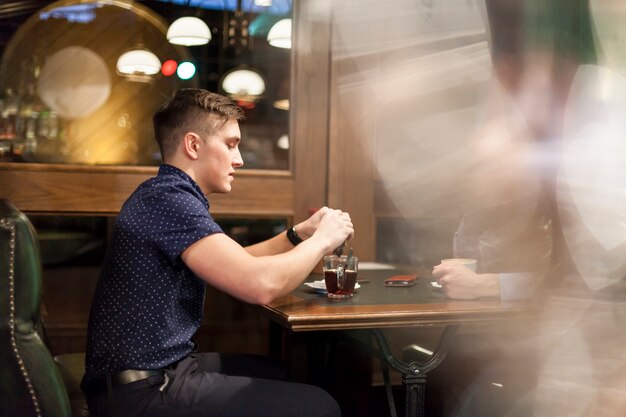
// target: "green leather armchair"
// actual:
[[30, 381]]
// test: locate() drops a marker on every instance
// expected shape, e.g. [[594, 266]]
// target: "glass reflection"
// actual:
[[63, 100]]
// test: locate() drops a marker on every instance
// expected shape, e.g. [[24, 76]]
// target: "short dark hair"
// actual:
[[191, 110]]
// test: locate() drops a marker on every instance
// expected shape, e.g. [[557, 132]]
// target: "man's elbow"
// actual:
[[262, 299], [264, 293]]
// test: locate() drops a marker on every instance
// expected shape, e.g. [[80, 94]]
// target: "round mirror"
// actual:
[[64, 98]]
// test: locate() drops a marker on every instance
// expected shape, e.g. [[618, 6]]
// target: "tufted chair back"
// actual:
[[30, 383]]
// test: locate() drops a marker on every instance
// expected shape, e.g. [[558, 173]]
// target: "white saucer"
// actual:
[[320, 286]]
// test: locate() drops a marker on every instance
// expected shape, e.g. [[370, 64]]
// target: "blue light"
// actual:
[[186, 70], [76, 13], [282, 7]]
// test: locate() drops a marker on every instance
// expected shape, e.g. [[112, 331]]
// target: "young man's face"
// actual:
[[219, 156]]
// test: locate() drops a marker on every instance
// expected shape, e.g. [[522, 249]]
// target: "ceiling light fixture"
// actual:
[[243, 84], [280, 34], [138, 64], [283, 141], [282, 104], [188, 31]]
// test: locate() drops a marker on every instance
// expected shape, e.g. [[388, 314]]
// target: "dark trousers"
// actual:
[[211, 384]]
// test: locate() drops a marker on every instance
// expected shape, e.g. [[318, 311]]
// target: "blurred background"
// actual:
[[68, 95]]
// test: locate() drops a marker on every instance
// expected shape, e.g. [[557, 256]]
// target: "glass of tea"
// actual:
[[340, 275]]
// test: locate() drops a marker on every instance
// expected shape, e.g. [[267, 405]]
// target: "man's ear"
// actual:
[[191, 144]]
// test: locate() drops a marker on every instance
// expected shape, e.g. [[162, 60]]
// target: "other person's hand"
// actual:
[[459, 282]]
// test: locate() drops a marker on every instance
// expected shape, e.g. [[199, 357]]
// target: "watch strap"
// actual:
[[293, 236]]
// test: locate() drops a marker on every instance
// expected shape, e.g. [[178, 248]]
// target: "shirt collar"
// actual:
[[166, 169]]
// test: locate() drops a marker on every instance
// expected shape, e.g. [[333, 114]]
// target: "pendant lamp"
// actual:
[[188, 31], [243, 84], [139, 62], [280, 34]]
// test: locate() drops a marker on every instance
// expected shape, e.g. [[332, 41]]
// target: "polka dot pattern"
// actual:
[[148, 304]]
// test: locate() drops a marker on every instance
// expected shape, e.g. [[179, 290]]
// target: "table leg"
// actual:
[[414, 373], [312, 352]]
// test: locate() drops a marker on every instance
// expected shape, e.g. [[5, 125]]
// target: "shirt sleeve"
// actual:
[[517, 285], [183, 220]]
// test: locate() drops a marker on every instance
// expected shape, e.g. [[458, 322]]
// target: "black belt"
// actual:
[[131, 375], [99, 385]]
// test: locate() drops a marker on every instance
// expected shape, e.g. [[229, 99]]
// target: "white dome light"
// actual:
[[282, 104], [243, 83], [280, 34], [188, 31], [138, 62], [283, 142]]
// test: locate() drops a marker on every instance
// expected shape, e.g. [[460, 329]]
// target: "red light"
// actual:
[[245, 104], [169, 67]]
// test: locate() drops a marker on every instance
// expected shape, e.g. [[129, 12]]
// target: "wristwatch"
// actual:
[[293, 236]]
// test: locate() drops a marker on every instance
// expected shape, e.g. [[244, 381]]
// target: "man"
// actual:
[[166, 248]]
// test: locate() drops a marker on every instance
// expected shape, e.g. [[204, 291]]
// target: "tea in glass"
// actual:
[[340, 275]]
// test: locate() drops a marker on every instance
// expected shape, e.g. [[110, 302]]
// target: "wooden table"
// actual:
[[375, 307]]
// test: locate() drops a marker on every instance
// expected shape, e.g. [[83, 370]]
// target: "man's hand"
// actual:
[[335, 226], [306, 229], [339, 218], [461, 283]]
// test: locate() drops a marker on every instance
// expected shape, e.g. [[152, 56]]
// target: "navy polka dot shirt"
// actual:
[[148, 304]]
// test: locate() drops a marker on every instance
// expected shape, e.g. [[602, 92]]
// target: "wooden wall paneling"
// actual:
[[383, 204], [257, 193], [310, 104], [352, 132], [75, 189], [60, 189]]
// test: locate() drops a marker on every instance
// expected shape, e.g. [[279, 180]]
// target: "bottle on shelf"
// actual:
[[29, 111], [5, 143], [8, 117], [35, 124]]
